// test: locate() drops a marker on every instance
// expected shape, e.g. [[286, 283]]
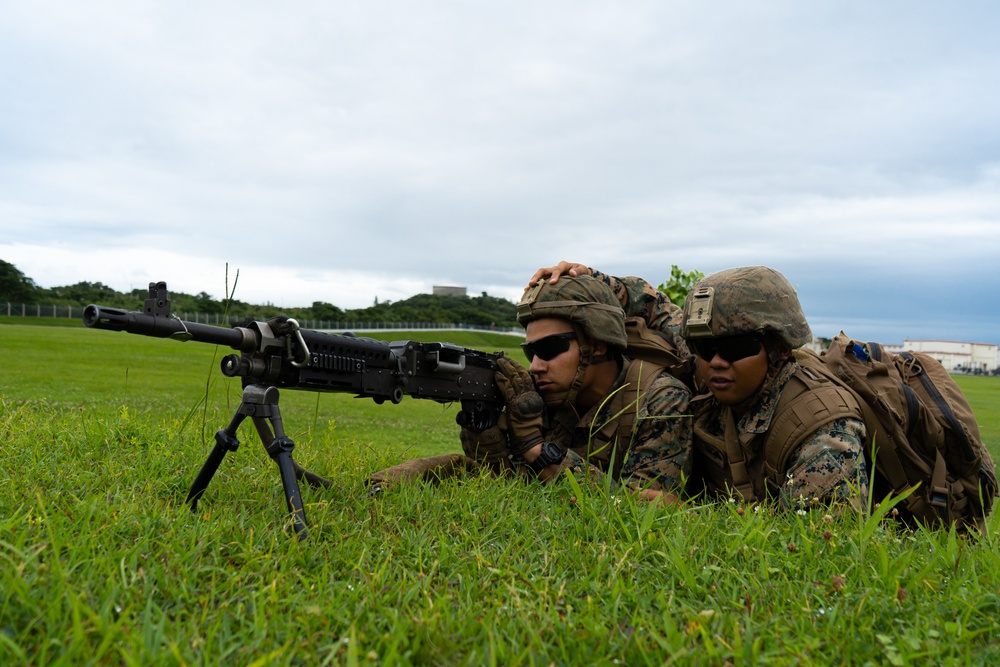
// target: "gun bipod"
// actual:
[[260, 403]]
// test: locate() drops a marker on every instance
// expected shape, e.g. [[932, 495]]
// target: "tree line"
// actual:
[[484, 310]]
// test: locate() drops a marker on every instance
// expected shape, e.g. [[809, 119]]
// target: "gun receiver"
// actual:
[[277, 353]]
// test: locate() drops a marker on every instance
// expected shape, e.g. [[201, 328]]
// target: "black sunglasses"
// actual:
[[730, 348], [549, 347]]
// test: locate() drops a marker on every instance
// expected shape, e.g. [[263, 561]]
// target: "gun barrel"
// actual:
[[130, 321]]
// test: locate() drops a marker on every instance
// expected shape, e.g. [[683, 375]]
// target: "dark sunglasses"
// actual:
[[549, 347], [730, 348]]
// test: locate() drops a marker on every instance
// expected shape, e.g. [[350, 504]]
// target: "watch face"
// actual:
[[552, 452]]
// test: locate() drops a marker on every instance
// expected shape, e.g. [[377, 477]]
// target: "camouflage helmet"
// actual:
[[585, 301], [748, 299]]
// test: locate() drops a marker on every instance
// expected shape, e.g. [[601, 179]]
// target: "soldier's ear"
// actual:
[[600, 352], [777, 350]]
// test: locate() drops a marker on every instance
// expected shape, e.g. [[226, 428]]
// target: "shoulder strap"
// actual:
[[615, 436], [808, 402], [737, 461]]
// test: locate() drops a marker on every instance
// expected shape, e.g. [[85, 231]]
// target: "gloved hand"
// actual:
[[487, 447], [431, 468], [524, 405]]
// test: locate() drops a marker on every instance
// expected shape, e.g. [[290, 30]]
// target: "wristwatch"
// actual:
[[551, 453]]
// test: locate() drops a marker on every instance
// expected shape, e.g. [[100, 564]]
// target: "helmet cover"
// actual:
[[743, 300], [583, 300]]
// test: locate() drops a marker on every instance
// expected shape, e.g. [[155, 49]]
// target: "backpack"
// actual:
[[921, 432], [655, 347]]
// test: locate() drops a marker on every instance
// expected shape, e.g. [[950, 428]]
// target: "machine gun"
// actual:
[[277, 353]]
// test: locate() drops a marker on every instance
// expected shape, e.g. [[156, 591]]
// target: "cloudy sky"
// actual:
[[347, 151]]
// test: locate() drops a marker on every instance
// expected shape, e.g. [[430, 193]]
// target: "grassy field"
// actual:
[[102, 563]]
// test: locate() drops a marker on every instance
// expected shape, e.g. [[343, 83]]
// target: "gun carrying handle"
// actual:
[[448, 366]]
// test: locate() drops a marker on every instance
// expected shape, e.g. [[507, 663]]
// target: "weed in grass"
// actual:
[[101, 562]]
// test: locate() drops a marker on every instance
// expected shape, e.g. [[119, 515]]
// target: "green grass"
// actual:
[[983, 394], [102, 563]]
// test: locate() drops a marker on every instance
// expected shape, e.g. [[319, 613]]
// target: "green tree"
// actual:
[[81, 292], [15, 286], [204, 303], [321, 310], [680, 283]]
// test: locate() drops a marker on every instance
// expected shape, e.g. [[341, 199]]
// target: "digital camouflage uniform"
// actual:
[[659, 453], [644, 438], [657, 457], [641, 299], [829, 466]]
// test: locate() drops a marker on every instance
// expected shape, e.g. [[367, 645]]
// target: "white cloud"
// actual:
[[346, 151]]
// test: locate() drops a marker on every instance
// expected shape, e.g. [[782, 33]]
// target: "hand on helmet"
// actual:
[[553, 273], [524, 405]]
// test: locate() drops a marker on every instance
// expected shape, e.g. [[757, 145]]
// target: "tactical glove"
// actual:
[[524, 405], [488, 449]]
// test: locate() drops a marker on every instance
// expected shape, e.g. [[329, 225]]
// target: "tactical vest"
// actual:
[[740, 461], [613, 438]]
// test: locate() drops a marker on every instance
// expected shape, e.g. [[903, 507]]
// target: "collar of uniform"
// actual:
[[567, 415], [757, 418]]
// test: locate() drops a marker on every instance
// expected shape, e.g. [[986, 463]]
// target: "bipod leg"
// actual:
[[266, 416], [225, 441], [311, 478]]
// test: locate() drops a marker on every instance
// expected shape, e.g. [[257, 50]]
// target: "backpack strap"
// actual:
[[737, 462], [915, 369]]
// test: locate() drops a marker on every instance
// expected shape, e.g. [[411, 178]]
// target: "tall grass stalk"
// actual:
[[101, 562]]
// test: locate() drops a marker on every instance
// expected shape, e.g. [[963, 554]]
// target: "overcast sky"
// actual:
[[347, 151]]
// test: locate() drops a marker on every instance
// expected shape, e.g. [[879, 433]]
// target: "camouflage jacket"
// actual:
[[828, 467], [657, 453]]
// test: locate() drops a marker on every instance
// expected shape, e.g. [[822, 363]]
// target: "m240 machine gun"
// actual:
[[278, 354]]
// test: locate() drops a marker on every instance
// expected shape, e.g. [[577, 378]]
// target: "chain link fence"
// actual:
[[76, 312]]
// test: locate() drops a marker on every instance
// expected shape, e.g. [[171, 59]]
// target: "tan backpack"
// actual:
[[922, 434]]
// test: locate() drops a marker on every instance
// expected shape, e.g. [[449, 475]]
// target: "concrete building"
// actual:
[[448, 290], [958, 356]]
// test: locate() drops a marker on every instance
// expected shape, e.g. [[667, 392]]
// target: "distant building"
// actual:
[[958, 356], [448, 290]]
